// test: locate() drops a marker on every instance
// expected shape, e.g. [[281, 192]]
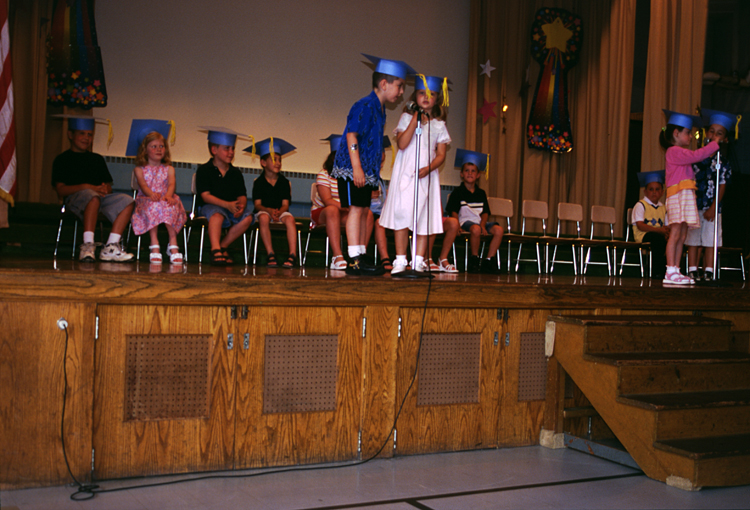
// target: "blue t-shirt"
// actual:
[[367, 119], [705, 181]]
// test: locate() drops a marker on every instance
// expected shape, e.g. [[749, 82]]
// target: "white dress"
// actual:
[[398, 209]]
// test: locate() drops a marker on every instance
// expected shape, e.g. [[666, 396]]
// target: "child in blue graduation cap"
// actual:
[[469, 209], [82, 180], [156, 201], [720, 125], [650, 220], [272, 194], [680, 181], [222, 194], [358, 159], [430, 98]]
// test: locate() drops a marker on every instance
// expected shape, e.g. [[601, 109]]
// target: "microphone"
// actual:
[[413, 107]]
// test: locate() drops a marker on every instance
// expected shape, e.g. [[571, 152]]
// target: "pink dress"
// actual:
[[148, 213]]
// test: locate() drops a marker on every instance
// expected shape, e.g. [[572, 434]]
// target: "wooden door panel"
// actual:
[[287, 438], [453, 426], [163, 438]]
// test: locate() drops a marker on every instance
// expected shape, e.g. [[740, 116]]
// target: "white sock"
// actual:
[[113, 238], [709, 270], [672, 269], [88, 237], [353, 251], [362, 249], [400, 260], [420, 261]]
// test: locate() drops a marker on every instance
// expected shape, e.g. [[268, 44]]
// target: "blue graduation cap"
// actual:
[[140, 128], [221, 135], [86, 123], [271, 145], [646, 178], [396, 68], [729, 121], [433, 84], [334, 140], [464, 156], [682, 120]]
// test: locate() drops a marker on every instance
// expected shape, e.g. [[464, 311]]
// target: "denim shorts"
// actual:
[[209, 210], [468, 224], [109, 205]]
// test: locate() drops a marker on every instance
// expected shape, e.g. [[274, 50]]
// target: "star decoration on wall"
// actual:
[[486, 69], [487, 110]]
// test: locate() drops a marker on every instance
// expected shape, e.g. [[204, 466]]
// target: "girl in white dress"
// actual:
[[427, 106]]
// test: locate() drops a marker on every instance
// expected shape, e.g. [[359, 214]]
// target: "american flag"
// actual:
[[7, 120]]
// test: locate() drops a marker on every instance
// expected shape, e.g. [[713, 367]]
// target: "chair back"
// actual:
[[313, 191], [569, 212], [604, 215], [537, 210], [501, 207], [630, 224], [193, 191], [134, 182]]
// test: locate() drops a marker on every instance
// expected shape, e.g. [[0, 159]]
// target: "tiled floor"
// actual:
[[529, 478]]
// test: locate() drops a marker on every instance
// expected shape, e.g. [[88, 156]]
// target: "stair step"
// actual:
[[651, 333], [666, 358], [688, 400], [682, 376], [707, 447]]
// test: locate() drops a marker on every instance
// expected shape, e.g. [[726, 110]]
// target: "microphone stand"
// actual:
[[413, 273], [715, 281]]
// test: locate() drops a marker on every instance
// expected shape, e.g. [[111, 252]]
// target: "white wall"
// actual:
[[283, 68]]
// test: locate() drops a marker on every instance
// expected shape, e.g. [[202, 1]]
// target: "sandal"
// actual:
[[447, 267], [217, 258], [338, 263], [227, 258], [291, 261], [271, 261], [154, 258], [175, 257], [434, 268], [386, 263]]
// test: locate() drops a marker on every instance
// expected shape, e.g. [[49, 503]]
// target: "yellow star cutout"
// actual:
[[557, 35]]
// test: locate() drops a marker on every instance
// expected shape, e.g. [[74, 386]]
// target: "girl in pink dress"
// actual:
[[156, 201], [682, 210]]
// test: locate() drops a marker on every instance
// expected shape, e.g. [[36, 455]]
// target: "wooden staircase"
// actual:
[[675, 391]]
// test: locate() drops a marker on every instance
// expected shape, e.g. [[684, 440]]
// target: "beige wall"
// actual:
[[285, 68]]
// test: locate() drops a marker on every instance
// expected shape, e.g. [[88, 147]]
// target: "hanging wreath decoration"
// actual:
[[556, 37]]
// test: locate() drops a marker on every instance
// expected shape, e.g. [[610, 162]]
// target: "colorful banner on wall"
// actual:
[[556, 37], [74, 60]]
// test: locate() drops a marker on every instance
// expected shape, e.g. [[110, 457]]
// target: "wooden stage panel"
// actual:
[[147, 447], [32, 349], [373, 371]]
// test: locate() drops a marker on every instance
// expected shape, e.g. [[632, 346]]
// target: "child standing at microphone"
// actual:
[[680, 181], [426, 109]]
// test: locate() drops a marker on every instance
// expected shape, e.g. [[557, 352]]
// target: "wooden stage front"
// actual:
[[229, 368]]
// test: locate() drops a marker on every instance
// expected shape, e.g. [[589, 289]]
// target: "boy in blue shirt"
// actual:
[[360, 152]]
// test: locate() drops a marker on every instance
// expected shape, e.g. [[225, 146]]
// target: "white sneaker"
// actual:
[[399, 266], [88, 252], [113, 252]]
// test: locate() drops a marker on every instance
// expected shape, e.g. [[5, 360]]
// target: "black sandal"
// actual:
[[271, 261], [227, 258], [217, 258], [291, 261], [386, 263]]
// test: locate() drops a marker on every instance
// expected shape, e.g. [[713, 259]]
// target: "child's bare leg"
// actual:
[[369, 226], [381, 240], [122, 220], [90, 215], [402, 241], [264, 229], [214, 231], [693, 256], [236, 231], [172, 237], [331, 218], [422, 243], [474, 236], [497, 238], [354, 227], [675, 243], [430, 245], [152, 234], [291, 234], [450, 227]]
